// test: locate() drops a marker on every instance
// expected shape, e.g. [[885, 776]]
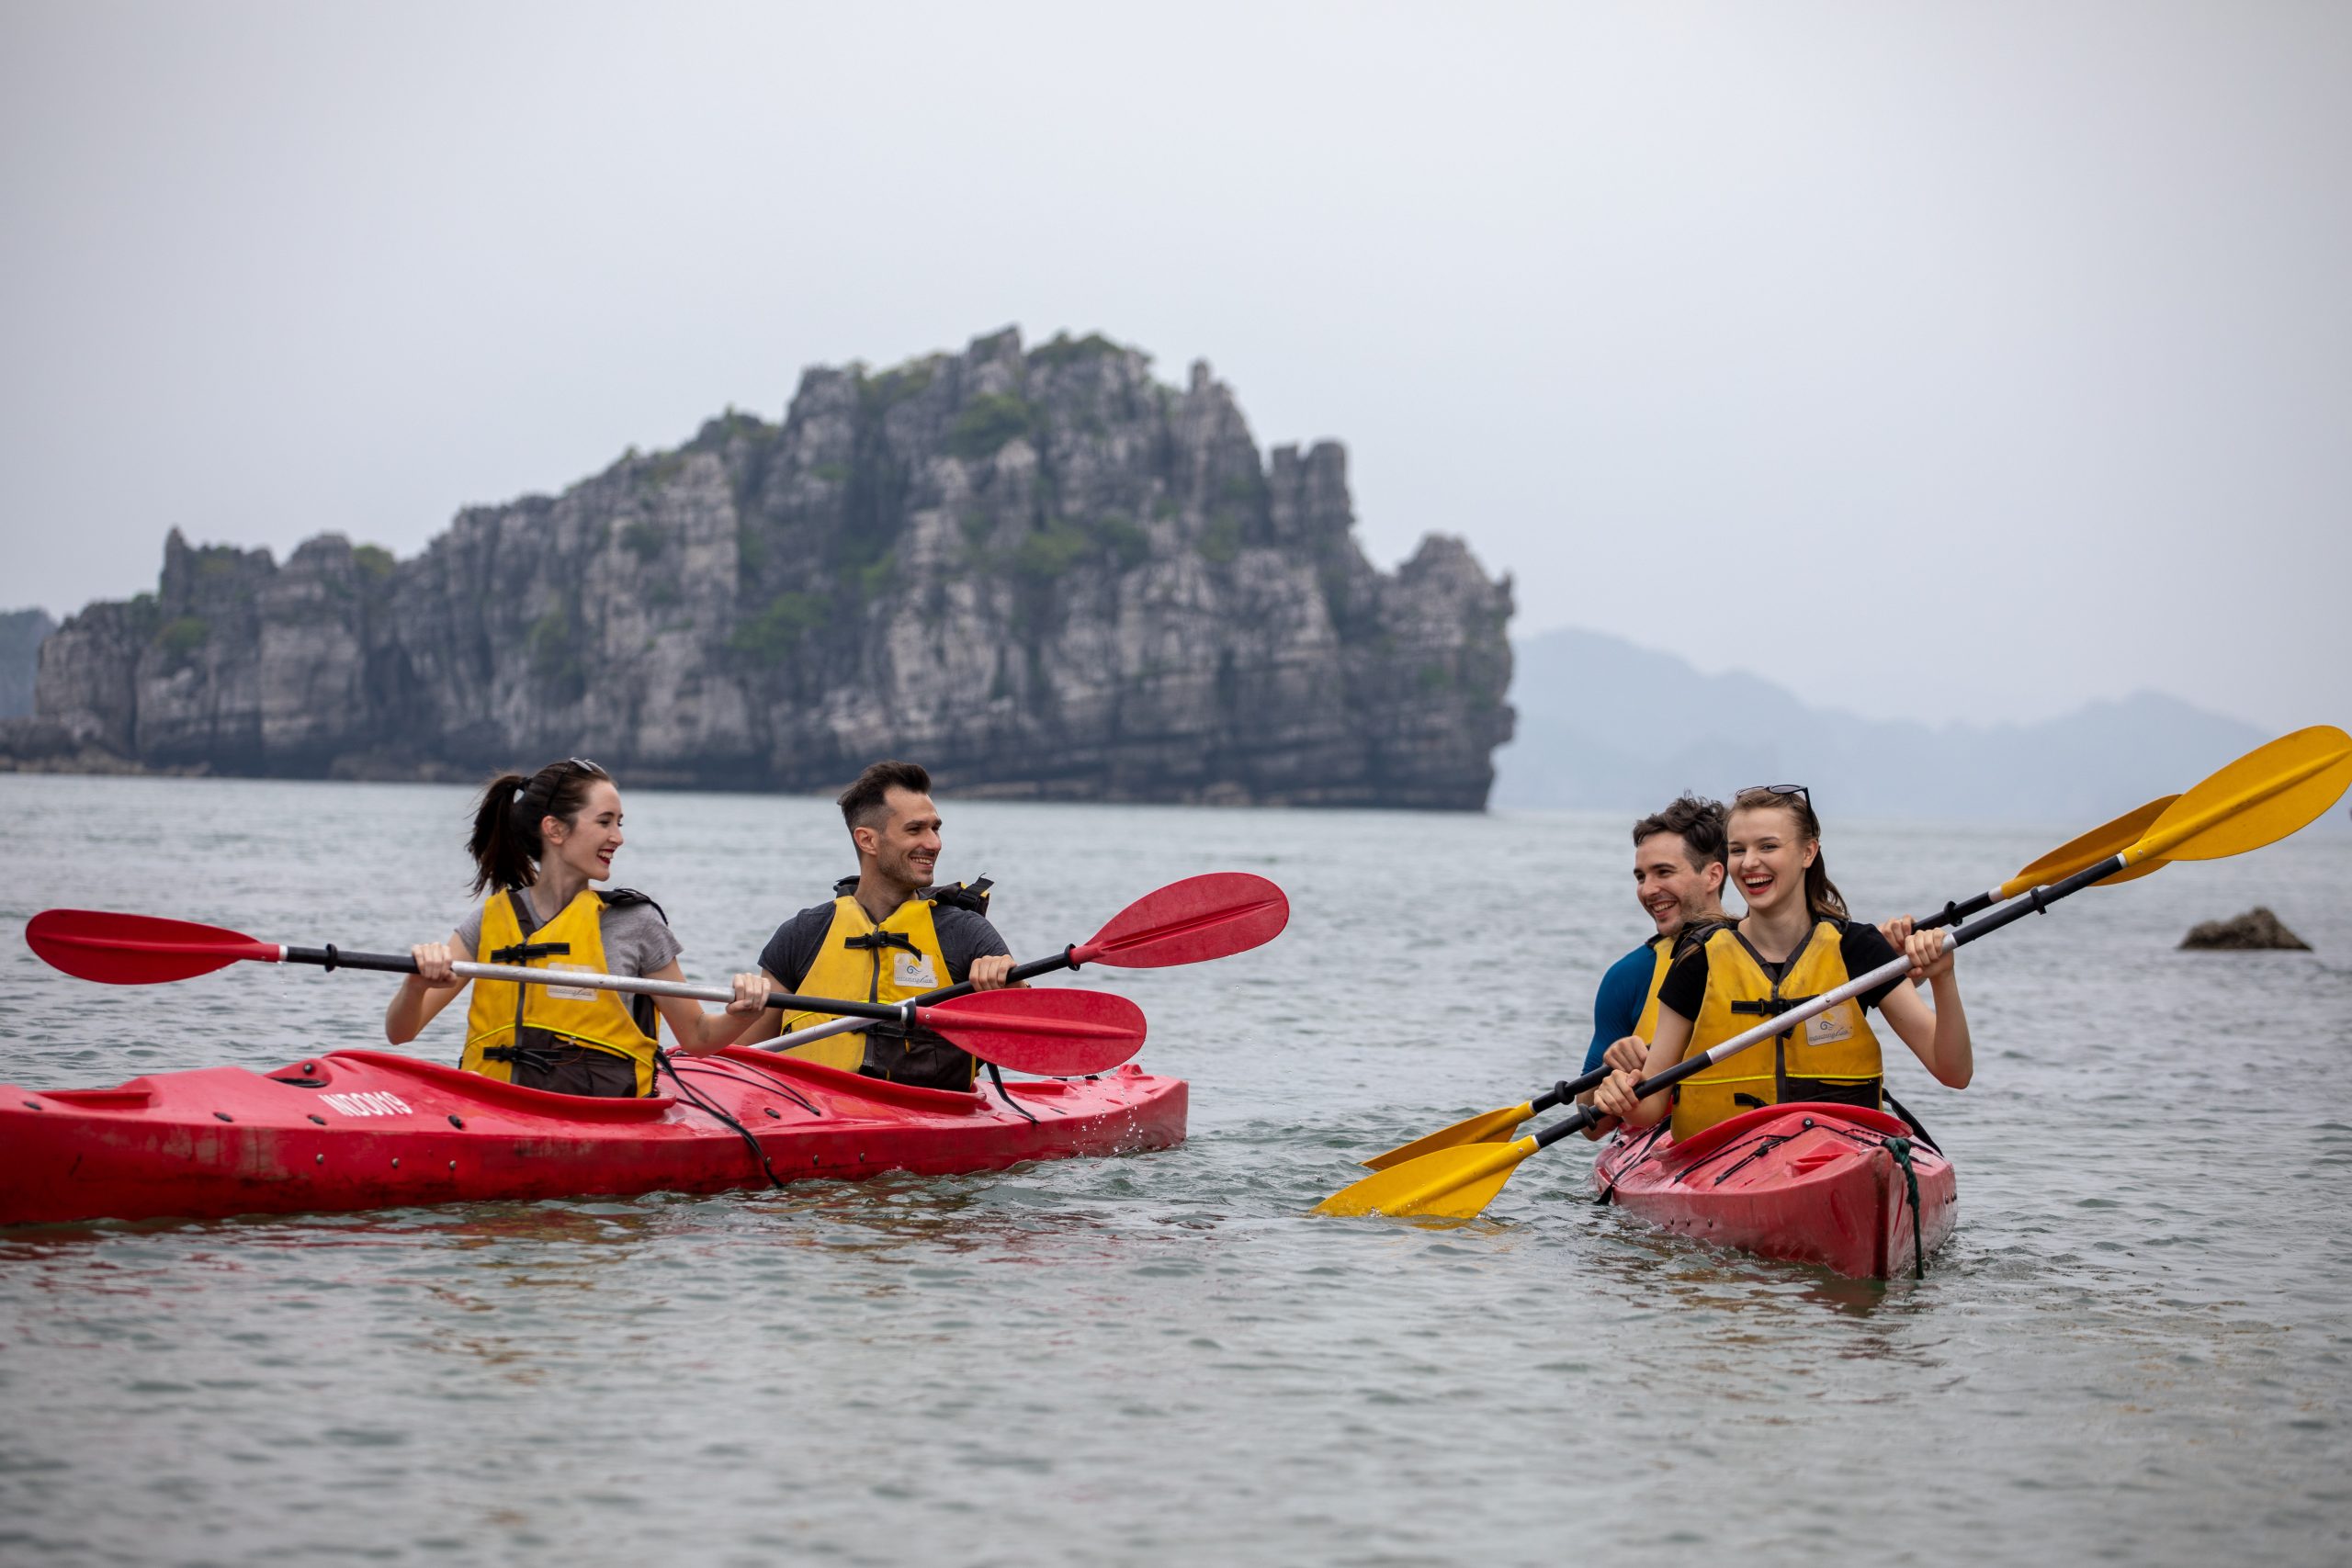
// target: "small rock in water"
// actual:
[[2256, 930]]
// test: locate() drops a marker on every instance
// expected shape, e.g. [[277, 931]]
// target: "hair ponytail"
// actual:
[[501, 860], [1822, 899], [505, 843]]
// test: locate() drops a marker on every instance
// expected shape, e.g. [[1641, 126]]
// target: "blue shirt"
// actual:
[[1617, 1007]]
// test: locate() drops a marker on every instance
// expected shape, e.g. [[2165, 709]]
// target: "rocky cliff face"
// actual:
[[21, 633], [1039, 572]]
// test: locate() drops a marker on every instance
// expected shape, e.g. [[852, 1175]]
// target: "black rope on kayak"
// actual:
[[1734, 1146], [1919, 1131], [1609, 1191], [1759, 1152], [1004, 1094], [703, 1103], [1900, 1148], [778, 1084]]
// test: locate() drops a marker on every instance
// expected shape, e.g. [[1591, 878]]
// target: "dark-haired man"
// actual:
[[1678, 879], [888, 934]]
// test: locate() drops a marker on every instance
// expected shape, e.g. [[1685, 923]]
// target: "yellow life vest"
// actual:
[[1647, 1025], [892, 962], [1832, 1055], [506, 1015]]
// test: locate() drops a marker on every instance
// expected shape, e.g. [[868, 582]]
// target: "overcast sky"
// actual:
[[1965, 362]]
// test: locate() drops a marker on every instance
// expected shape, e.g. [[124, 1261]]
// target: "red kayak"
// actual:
[[1805, 1183], [370, 1130]]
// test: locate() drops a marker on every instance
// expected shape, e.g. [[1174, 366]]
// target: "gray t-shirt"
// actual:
[[637, 941]]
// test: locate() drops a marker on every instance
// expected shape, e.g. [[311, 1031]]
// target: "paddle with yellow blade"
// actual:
[[2108, 839], [2260, 798]]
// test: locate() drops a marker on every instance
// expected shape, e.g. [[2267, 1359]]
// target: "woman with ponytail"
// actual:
[[537, 843], [1795, 942]]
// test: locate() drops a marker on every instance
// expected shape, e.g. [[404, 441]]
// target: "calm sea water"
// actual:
[[2135, 1349]]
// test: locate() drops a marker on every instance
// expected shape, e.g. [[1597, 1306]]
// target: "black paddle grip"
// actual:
[[1577, 1121], [1952, 914], [1021, 972], [333, 957], [2039, 900]]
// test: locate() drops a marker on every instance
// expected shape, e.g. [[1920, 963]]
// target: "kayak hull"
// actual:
[[1804, 1183], [352, 1129]]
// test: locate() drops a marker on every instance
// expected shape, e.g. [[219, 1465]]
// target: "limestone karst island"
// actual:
[[1042, 570]]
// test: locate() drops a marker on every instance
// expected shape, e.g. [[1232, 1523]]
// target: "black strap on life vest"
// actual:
[[1697, 933], [1771, 1007], [970, 895], [523, 951], [640, 1007], [876, 940]]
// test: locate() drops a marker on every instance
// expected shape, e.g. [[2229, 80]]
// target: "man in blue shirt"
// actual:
[[1678, 880]]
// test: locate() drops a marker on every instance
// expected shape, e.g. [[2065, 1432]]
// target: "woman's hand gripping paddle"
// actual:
[[1059, 1033], [2108, 839], [2265, 795]]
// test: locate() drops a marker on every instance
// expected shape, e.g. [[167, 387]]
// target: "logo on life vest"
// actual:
[[571, 993], [912, 969], [368, 1102], [1829, 1028]]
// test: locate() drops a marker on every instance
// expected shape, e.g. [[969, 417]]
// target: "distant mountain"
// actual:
[[20, 634], [1604, 723]]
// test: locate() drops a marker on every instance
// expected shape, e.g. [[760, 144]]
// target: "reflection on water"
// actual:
[[2130, 1349]]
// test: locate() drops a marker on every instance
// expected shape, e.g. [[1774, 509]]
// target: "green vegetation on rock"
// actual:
[[884, 392], [548, 643], [1130, 543], [180, 638], [987, 422], [770, 637], [1052, 550], [1220, 542], [1066, 350]]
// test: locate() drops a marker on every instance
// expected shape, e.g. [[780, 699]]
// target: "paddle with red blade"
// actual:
[[1213, 915], [1061, 1033]]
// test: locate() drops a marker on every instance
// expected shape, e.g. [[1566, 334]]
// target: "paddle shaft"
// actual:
[[1952, 914], [853, 1014], [1066, 959]]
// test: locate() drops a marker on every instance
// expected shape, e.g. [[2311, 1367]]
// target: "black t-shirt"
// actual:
[[1863, 946], [963, 936]]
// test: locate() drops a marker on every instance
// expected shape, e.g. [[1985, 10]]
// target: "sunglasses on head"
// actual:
[[1798, 790]]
